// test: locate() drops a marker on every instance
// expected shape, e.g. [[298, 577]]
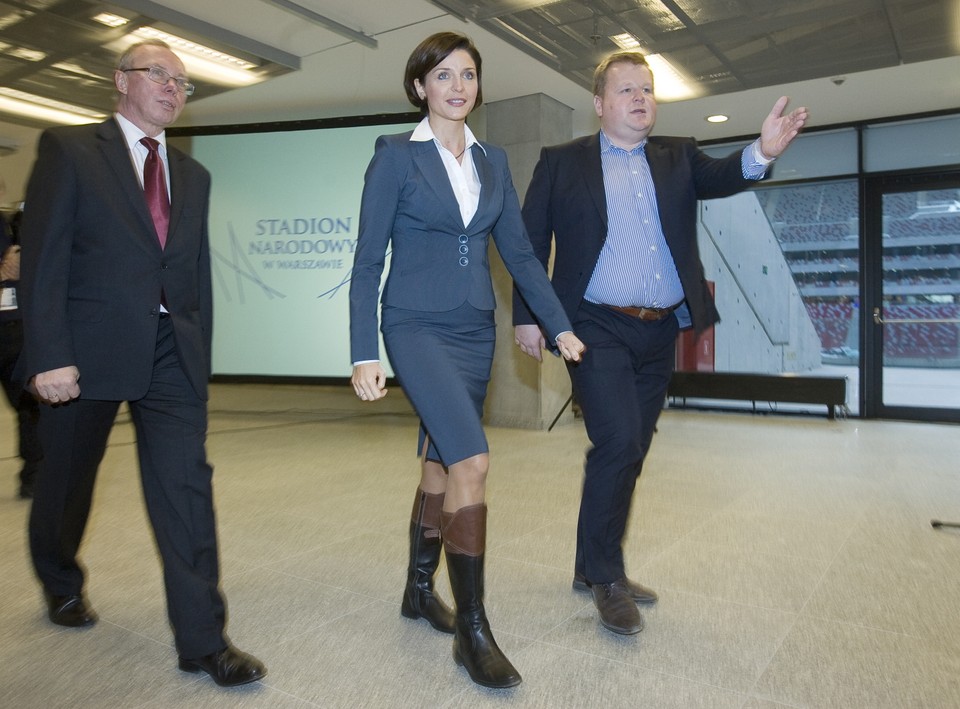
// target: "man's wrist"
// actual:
[[759, 156]]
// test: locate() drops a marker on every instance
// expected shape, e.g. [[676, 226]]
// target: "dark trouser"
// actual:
[[620, 386], [171, 424], [28, 412]]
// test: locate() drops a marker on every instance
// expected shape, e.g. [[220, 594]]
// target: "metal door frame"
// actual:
[[873, 188]]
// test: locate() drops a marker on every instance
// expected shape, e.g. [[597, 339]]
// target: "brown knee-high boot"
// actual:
[[418, 598], [464, 540]]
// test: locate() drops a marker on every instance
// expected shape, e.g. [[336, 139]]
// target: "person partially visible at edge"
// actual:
[[435, 195], [619, 207], [117, 306], [11, 345]]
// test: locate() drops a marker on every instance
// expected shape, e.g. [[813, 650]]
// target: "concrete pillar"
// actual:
[[523, 393]]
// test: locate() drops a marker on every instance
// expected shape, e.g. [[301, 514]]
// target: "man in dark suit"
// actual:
[[116, 294], [621, 208]]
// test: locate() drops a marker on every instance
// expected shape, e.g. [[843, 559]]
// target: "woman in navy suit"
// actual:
[[434, 196]]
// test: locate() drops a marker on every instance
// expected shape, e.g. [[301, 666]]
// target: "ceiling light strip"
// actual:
[[40, 109], [215, 33]]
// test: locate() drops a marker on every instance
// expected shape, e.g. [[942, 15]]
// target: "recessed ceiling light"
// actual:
[[625, 41], [196, 49], [717, 118], [110, 20], [30, 55]]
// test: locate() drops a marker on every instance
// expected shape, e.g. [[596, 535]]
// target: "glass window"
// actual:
[[925, 143], [784, 262], [826, 154]]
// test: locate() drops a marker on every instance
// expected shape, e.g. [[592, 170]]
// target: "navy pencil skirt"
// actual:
[[443, 362]]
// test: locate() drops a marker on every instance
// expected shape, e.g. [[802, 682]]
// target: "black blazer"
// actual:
[[566, 201], [93, 270]]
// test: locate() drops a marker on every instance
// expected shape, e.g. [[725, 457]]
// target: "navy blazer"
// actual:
[[566, 201], [437, 262], [93, 269]]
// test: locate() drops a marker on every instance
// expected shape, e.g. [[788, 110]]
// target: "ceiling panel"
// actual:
[[727, 45], [53, 49]]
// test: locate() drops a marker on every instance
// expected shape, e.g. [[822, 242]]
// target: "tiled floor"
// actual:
[[793, 556]]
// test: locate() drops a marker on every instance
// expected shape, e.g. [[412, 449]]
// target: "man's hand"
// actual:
[[369, 381], [779, 130], [570, 347], [57, 386], [530, 340]]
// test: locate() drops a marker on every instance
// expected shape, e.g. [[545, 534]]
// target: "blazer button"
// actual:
[[464, 238], [464, 249], [464, 260]]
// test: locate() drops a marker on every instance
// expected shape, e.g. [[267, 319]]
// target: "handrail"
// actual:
[[908, 321]]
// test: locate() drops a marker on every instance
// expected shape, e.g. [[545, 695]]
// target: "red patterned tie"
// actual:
[[155, 189]]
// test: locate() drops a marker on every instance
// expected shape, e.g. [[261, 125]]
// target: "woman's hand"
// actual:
[[369, 381], [530, 340], [570, 346]]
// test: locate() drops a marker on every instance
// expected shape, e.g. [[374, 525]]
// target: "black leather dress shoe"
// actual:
[[228, 667], [640, 593], [70, 611], [618, 611]]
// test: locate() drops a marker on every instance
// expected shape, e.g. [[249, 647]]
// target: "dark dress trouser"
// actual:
[[620, 385], [28, 414], [171, 423]]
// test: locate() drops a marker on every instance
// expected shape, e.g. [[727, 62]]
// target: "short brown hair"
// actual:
[[625, 56], [430, 52]]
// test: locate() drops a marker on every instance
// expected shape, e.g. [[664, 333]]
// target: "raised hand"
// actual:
[[779, 130]]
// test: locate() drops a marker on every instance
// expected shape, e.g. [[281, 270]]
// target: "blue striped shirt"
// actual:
[[636, 267]]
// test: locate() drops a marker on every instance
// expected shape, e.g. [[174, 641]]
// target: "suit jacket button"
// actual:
[[464, 239], [464, 260], [464, 249]]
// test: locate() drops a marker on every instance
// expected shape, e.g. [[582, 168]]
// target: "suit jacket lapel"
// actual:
[[593, 175], [430, 164], [117, 155], [177, 190], [488, 180], [660, 172]]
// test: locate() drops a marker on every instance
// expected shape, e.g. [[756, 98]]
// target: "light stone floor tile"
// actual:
[[754, 703], [892, 597], [561, 678], [833, 665], [103, 666], [793, 555], [801, 537], [709, 641], [737, 575]]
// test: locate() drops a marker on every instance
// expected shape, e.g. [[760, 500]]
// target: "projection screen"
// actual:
[[284, 215]]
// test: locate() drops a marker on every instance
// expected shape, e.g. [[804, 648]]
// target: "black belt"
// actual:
[[643, 313]]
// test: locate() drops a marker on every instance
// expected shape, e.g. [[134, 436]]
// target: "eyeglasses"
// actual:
[[159, 76]]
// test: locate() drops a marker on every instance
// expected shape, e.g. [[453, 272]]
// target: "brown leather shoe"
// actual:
[[640, 593], [618, 611], [228, 667], [70, 611]]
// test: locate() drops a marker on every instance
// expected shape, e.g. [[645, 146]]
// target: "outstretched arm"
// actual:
[[779, 130]]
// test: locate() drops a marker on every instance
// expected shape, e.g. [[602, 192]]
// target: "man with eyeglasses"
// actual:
[[116, 295]]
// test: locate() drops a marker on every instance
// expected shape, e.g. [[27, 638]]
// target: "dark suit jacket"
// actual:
[[566, 201], [93, 270], [437, 262]]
